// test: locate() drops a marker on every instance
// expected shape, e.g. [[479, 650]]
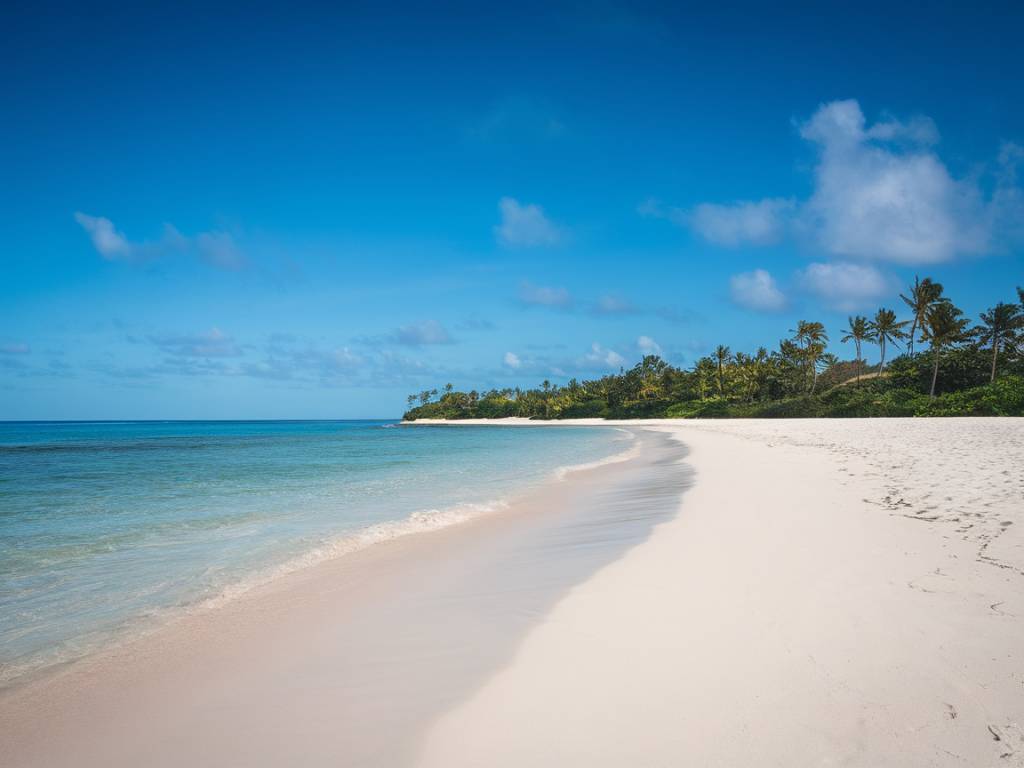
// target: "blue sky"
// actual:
[[311, 211]]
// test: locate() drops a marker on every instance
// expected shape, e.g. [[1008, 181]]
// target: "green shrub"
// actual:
[[711, 408], [1003, 397], [588, 409]]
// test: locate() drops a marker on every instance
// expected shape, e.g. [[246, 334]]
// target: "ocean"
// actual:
[[110, 527]]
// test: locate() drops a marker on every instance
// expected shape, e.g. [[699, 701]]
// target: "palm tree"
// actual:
[[923, 294], [886, 331], [762, 364], [703, 371], [827, 361], [859, 332], [943, 326], [722, 357], [999, 327], [812, 338]]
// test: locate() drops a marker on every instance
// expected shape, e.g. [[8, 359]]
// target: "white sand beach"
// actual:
[[831, 593], [785, 593]]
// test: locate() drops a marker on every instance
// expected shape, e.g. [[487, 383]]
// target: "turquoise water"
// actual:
[[109, 526]]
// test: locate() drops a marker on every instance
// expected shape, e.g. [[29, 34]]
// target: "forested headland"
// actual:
[[932, 361]]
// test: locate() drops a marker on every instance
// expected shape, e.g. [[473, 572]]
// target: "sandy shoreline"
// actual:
[[833, 593], [349, 661], [827, 593]]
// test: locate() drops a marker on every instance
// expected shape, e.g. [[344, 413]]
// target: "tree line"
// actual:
[[946, 366]]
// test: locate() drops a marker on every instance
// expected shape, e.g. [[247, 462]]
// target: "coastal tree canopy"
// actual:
[[961, 371]]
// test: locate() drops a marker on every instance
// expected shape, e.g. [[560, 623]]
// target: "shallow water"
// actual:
[[435, 640], [109, 526], [349, 662]]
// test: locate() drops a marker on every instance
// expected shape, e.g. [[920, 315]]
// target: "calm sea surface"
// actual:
[[105, 527]]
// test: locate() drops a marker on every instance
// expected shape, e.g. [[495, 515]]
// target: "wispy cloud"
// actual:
[[555, 361], [846, 286], [756, 290], [544, 296], [515, 119], [676, 315], [288, 360], [607, 305], [1008, 197], [753, 222], [525, 226], [112, 244], [219, 250], [215, 248], [652, 208], [423, 333], [475, 323], [757, 223], [602, 357], [614, 305], [15, 348], [211, 343], [285, 358]]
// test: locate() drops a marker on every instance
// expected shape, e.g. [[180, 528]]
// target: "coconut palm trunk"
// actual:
[[935, 373], [995, 356]]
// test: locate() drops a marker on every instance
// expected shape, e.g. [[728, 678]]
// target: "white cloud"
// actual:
[[880, 192], [525, 225], [842, 122], [419, 334], [512, 360], [918, 130], [110, 243], [876, 201], [544, 296], [648, 346], [846, 286], [759, 223], [756, 290], [215, 248], [605, 358]]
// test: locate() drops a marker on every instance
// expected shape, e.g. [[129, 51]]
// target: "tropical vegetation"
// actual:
[[954, 370]]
